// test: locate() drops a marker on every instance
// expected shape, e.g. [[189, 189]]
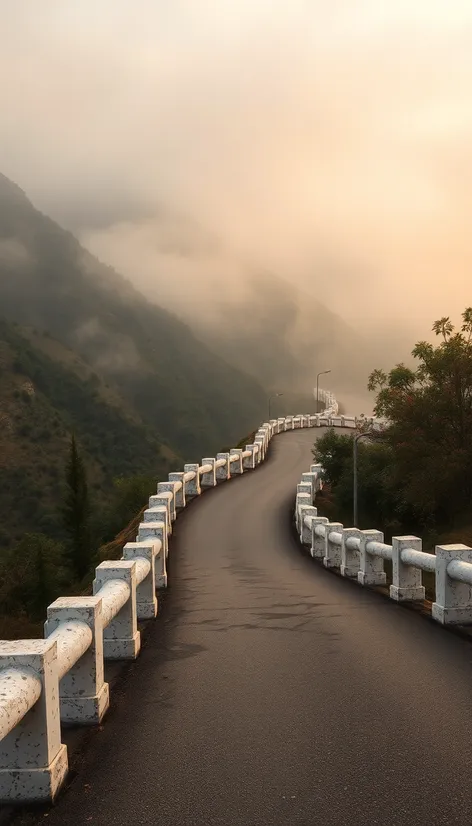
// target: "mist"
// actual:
[[196, 146]]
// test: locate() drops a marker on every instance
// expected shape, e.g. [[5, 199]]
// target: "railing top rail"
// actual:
[[20, 689]]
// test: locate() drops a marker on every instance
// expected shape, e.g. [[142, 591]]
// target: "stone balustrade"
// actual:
[[360, 554], [61, 679]]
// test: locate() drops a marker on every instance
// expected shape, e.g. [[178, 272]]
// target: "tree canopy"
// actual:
[[424, 466]]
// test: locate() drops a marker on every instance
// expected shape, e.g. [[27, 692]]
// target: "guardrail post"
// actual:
[[306, 487], [121, 638], [33, 761], [237, 467], [169, 487], [317, 468], [158, 514], [83, 693], [406, 579], [192, 487], [310, 478], [179, 494], [332, 552], [249, 462], [305, 533], [371, 568], [259, 440], [156, 530], [224, 472], [146, 602], [317, 549], [453, 603], [160, 500], [261, 435], [350, 562], [208, 480], [303, 498]]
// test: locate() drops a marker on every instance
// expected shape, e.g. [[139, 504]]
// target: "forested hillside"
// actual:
[[101, 394], [154, 364], [46, 393]]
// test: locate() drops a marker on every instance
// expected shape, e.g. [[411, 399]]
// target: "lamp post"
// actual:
[[323, 372], [274, 396]]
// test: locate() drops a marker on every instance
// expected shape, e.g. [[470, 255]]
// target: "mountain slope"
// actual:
[[42, 400], [173, 383]]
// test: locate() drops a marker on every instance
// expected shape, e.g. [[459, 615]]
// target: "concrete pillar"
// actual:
[[83, 693], [262, 435], [371, 568], [158, 514], [162, 500], [261, 454], [154, 530], [453, 603], [301, 499], [208, 480], [317, 549], [223, 473], [169, 487], [121, 638], [310, 478], [237, 467], [332, 552], [317, 468], [249, 463], [305, 533], [350, 562], [406, 579], [192, 487], [306, 487], [179, 494], [33, 761], [146, 602]]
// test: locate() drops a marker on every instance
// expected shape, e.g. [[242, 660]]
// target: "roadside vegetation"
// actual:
[[418, 477]]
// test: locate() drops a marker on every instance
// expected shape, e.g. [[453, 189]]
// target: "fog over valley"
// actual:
[[291, 179]]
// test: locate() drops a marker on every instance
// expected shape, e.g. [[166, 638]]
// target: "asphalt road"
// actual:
[[271, 692]]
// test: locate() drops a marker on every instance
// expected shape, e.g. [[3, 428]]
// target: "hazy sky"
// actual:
[[330, 140]]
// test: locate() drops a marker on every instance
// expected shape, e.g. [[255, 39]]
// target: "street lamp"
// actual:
[[323, 373], [274, 396]]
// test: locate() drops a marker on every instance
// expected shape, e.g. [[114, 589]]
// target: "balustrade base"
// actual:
[[147, 610], [122, 649], [371, 579], [407, 594], [349, 571], [34, 785], [85, 710], [451, 616]]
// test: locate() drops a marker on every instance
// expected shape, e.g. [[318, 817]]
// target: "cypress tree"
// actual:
[[77, 513]]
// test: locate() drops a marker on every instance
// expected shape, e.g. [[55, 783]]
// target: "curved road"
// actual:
[[272, 693]]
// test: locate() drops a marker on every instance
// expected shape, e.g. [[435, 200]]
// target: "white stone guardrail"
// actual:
[[60, 679], [360, 554]]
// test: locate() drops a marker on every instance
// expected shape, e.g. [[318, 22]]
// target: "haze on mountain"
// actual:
[[196, 146]]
